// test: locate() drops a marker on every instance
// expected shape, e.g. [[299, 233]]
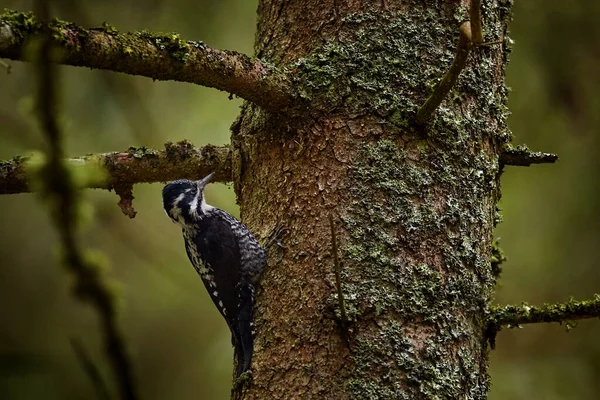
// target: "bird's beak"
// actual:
[[202, 182]]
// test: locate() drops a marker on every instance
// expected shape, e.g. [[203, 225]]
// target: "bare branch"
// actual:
[[157, 56], [471, 35], [136, 165], [476, 24], [338, 270], [572, 310], [91, 370], [58, 184], [450, 78], [522, 156], [6, 66]]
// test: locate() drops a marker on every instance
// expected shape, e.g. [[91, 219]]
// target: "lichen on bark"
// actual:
[[156, 55], [417, 205]]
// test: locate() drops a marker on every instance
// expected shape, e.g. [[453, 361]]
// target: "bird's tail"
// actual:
[[245, 328]]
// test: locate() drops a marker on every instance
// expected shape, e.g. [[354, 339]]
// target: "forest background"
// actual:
[[550, 230]]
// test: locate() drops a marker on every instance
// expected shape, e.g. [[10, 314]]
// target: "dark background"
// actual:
[[180, 343]]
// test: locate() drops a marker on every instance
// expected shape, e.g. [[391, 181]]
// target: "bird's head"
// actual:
[[183, 200]]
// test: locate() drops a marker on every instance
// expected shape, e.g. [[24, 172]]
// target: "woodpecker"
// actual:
[[226, 256]]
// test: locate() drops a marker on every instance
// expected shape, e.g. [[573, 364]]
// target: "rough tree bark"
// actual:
[[414, 207], [331, 133]]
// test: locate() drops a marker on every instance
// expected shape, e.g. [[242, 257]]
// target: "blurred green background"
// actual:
[[181, 345]]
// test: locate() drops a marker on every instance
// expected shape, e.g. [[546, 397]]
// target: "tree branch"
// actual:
[[471, 35], [476, 24], [522, 156], [338, 271], [60, 192], [512, 315], [136, 165], [157, 56], [90, 369], [450, 78]]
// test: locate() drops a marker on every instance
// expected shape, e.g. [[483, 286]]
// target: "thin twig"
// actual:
[[488, 44], [338, 270], [90, 369], [6, 66], [135, 165], [450, 78], [60, 188], [476, 24], [471, 35], [157, 56]]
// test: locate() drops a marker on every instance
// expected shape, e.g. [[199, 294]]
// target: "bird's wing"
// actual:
[[220, 253]]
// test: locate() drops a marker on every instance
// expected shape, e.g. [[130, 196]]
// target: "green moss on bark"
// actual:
[[412, 195], [408, 204], [390, 63], [21, 24]]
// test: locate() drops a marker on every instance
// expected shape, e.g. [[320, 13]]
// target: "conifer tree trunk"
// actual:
[[331, 133], [374, 135], [414, 207]]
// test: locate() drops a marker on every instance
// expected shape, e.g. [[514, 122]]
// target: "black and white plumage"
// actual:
[[226, 256]]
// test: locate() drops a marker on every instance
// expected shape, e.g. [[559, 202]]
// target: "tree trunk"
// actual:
[[414, 208]]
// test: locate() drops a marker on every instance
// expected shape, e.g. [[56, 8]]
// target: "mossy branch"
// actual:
[[135, 165], [60, 192], [157, 56], [523, 157], [512, 315]]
